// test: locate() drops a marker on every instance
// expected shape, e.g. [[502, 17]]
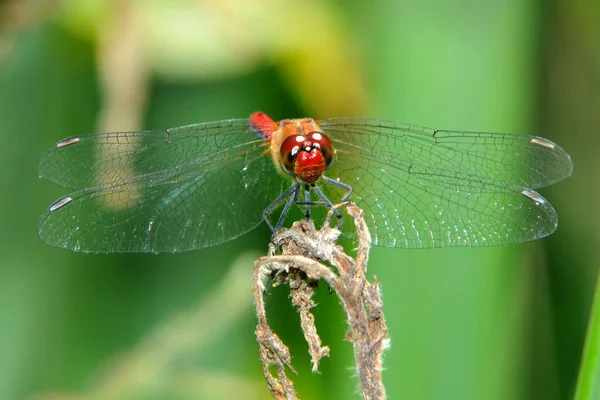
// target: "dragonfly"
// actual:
[[200, 185]]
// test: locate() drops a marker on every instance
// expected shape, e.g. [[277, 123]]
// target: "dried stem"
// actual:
[[296, 258]]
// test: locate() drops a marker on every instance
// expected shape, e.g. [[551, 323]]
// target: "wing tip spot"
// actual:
[[542, 142], [533, 196], [63, 201], [68, 141]]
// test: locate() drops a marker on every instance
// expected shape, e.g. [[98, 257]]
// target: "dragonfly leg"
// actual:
[[329, 204], [343, 185], [291, 194], [307, 200]]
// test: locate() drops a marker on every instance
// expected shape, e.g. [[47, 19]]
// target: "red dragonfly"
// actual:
[[200, 185]]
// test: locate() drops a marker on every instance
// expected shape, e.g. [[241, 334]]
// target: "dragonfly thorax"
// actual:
[[306, 156]]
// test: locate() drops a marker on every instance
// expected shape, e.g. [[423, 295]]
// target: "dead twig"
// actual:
[[296, 259]]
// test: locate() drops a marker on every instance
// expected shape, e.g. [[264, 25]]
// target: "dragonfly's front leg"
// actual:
[[291, 194]]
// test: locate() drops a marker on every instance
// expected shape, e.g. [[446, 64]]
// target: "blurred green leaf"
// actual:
[[588, 385]]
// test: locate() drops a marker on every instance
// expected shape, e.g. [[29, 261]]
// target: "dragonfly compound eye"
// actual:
[[324, 145], [289, 150]]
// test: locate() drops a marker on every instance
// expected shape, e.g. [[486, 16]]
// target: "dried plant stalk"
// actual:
[[296, 259]]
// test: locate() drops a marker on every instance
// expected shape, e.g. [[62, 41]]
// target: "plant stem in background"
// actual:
[[588, 384]]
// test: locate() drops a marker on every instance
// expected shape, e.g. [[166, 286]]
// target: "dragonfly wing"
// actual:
[[417, 193], [85, 161], [193, 205], [527, 161]]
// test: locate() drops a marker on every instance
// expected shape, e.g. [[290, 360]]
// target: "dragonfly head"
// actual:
[[306, 156]]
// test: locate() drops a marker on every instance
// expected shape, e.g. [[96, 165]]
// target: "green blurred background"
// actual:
[[499, 323]]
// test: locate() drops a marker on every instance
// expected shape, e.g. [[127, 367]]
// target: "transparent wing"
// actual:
[[158, 191], [423, 188], [80, 162]]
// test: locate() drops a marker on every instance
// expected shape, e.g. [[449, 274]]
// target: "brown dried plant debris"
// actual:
[[297, 258]]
